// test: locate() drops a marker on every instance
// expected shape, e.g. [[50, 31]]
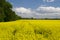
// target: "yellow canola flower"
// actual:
[[30, 30]]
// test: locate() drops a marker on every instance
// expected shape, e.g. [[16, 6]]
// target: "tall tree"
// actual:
[[6, 13]]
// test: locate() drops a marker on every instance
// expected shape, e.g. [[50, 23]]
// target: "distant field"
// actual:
[[30, 30]]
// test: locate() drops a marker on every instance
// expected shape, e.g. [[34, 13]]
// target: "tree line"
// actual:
[[6, 12]]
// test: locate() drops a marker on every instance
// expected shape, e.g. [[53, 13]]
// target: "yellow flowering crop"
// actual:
[[30, 30]]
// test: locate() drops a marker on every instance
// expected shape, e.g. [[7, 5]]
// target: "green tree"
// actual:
[[6, 12]]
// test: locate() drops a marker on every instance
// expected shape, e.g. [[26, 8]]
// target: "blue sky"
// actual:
[[33, 3], [37, 8]]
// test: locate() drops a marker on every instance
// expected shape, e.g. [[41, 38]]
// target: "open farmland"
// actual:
[[30, 30]]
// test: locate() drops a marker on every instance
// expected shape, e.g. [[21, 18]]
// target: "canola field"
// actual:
[[30, 30]]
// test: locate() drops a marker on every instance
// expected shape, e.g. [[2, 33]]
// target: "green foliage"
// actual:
[[6, 13], [2, 15]]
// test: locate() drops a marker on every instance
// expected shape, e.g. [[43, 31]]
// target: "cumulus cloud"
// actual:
[[48, 0], [23, 10], [49, 9], [40, 12]]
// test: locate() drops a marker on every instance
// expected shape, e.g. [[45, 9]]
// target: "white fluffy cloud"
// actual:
[[49, 9], [48, 0], [40, 12], [23, 10]]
